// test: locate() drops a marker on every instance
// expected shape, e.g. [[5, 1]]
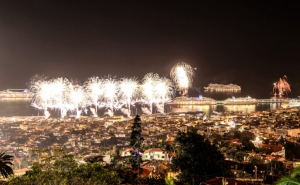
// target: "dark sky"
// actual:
[[251, 44]]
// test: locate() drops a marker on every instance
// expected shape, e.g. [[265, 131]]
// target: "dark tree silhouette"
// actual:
[[196, 159], [5, 164], [135, 142], [247, 144]]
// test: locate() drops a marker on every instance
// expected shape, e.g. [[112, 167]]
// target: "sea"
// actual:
[[22, 107]]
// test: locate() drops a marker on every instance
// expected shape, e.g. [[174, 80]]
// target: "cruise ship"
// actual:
[[193, 101], [223, 88], [240, 101], [15, 93], [291, 103]]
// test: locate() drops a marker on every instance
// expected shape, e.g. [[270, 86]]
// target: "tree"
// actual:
[[292, 150], [291, 179], [63, 170], [276, 167], [237, 134], [247, 144], [92, 173], [23, 163], [261, 150], [253, 163], [169, 181], [5, 165], [135, 142], [196, 159]]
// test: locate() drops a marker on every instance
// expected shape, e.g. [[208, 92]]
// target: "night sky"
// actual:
[[250, 44]]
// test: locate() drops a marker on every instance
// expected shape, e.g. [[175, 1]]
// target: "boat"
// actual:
[[16, 94], [240, 101], [223, 88], [291, 103]]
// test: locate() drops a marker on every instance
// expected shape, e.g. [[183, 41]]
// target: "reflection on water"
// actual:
[[23, 108], [16, 107], [244, 108], [192, 108], [268, 106], [208, 109]]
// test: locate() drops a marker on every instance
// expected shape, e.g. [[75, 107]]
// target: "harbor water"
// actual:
[[19, 107]]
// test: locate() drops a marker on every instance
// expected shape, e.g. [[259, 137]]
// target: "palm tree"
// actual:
[[290, 180], [5, 164], [169, 181]]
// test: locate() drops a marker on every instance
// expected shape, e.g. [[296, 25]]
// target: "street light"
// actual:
[[262, 174], [255, 172]]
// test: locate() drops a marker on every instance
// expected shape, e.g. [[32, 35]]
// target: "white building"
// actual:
[[155, 154]]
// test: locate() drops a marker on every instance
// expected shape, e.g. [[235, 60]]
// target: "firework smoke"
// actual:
[[93, 111], [125, 111], [146, 110]]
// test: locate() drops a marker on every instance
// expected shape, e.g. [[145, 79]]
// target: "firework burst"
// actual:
[[94, 89], [76, 98], [164, 91], [58, 94], [148, 88], [182, 75], [111, 92], [42, 95], [128, 90], [282, 86], [63, 94]]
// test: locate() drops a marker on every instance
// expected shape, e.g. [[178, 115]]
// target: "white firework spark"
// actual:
[[111, 92], [164, 91], [182, 75], [42, 95], [94, 89], [58, 94], [128, 91], [148, 88], [282, 86], [76, 98]]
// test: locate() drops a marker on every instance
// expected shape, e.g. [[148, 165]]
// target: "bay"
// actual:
[[18, 107]]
